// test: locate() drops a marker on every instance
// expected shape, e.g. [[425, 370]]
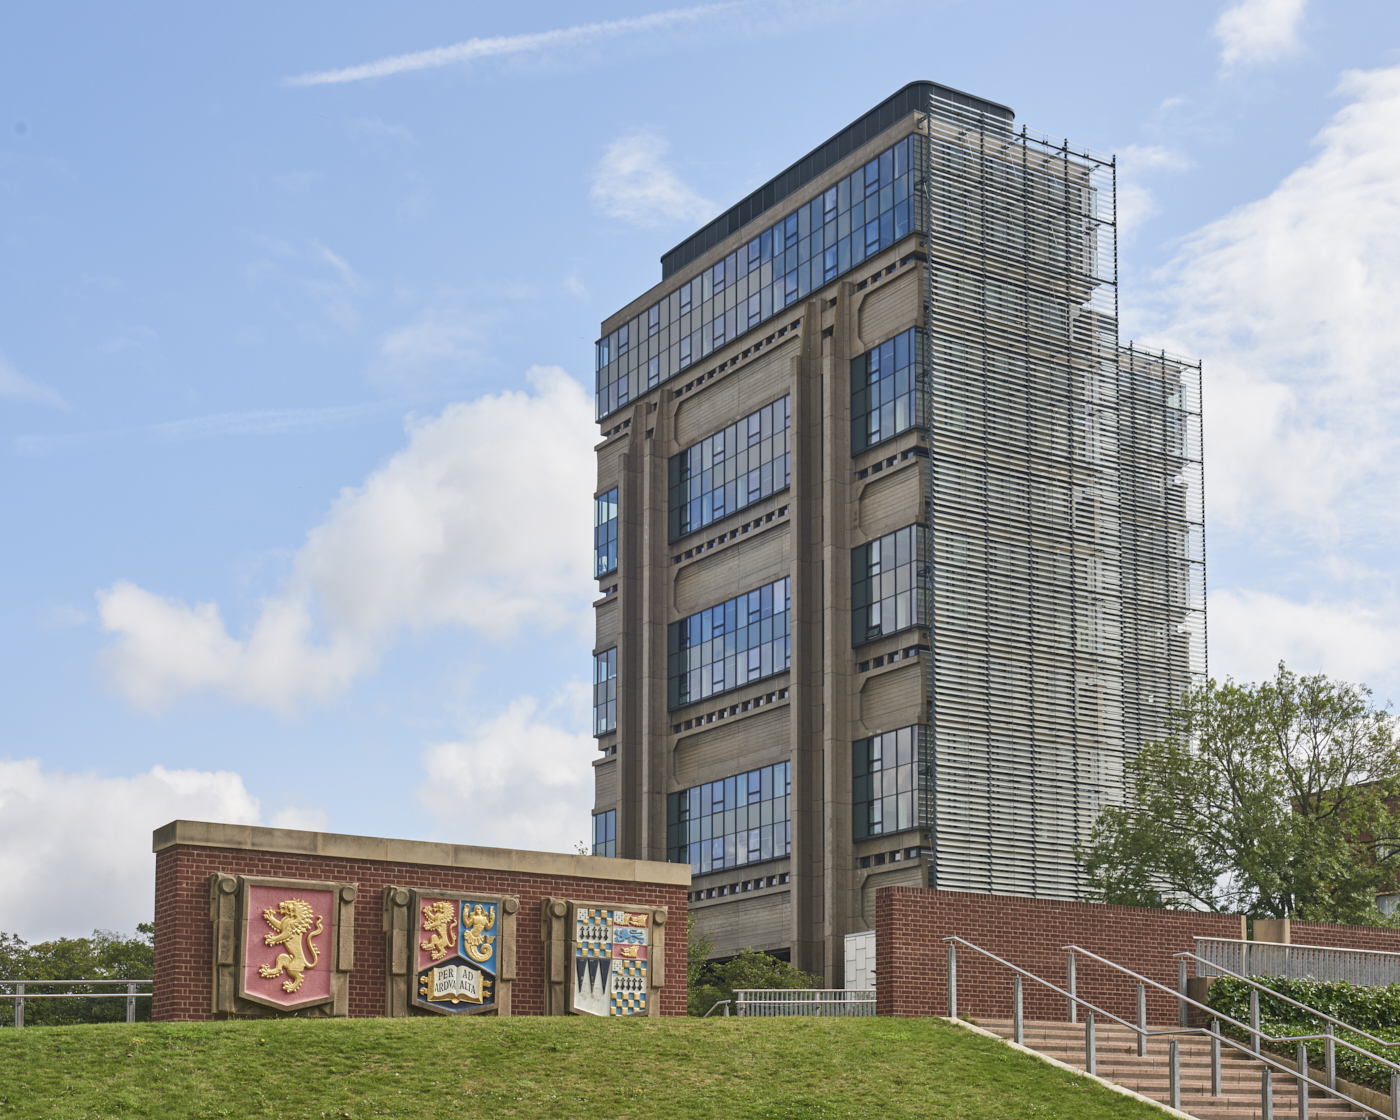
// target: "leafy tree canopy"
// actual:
[[1275, 800], [710, 982]]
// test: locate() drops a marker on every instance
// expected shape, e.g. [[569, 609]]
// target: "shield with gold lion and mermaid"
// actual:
[[455, 953]]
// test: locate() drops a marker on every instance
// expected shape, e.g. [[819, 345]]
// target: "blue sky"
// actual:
[[296, 322]]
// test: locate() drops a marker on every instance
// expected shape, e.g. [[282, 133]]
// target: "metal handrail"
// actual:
[[1215, 1036], [78, 982], [1032, 976], [717, 1003], [20, 995], [1253, 1030]]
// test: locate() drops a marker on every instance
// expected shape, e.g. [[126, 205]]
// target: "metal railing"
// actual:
[[826, 1002], [1213, 1032], [1363, 967], [19, 992]]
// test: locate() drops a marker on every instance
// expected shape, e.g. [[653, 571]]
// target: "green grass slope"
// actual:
[[429, 1068]]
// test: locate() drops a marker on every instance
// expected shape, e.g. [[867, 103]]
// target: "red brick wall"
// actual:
[[184, 948], [912, 960]]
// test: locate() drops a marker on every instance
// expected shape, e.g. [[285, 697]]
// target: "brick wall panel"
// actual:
[[184, 944]]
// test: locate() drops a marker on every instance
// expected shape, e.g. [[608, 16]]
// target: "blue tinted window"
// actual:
[[733, 468], [729, 645], [739, 820], [890, 585], [605, 533], [605, 691], [889, 779], [886, 390], [605, 833]]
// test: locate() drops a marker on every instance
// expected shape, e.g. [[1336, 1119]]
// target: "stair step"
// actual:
[[1116, 1060]]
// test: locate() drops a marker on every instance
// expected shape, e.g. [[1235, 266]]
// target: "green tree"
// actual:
[[710, 982], [103, 956], [1275, 800]]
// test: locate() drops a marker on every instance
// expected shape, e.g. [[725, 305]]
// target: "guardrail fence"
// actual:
[[826, 1002], [22, 990], [1216, 956]]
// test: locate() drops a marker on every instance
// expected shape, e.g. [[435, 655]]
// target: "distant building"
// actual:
[[899, 552]]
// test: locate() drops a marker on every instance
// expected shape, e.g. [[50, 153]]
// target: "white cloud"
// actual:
[[19, 388], [1259, 31], [462, 528], [1251, 631], [1136, 202], [473, 49], [75, 849], [632, 182], [437, 335], [1294, 302], [521, 780]]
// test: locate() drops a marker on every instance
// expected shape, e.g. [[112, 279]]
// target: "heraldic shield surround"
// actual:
[[609, 976], [289, 935], [460, 951]]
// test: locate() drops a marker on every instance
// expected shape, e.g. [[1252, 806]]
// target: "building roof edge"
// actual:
[[859, 132]]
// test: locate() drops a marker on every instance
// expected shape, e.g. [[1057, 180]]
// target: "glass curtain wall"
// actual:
[[865, 212], [605, 833], [887, 390]]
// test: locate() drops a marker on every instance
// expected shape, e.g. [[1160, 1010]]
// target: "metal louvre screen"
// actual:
[[1162, 531], [1068, 569]]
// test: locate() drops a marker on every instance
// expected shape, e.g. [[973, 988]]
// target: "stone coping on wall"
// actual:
[[255, 838]]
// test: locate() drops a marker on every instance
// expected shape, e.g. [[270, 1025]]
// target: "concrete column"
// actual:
[[806, 688], [631, 837], [840, 897], [650, 452]]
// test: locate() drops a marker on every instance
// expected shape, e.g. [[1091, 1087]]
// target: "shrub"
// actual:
[[1374, 1009]]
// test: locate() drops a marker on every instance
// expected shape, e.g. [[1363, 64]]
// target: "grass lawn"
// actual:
[[874, 1069]]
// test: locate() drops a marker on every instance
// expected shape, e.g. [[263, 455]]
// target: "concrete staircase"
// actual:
[[1240, 1075]]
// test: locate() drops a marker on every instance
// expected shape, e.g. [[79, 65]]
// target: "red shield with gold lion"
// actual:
[[288, 933]]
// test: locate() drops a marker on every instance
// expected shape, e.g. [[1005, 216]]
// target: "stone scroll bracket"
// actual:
[[401, 930], [345, 949], [228, 928], [396, 956], [223, 916], [555, 927]]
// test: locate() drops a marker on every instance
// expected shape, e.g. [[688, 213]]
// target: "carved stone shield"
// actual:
[[287, 957]]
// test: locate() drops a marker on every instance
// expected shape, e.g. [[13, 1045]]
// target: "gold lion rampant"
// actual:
[[474, 938], [440, 922], [289, 929]]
